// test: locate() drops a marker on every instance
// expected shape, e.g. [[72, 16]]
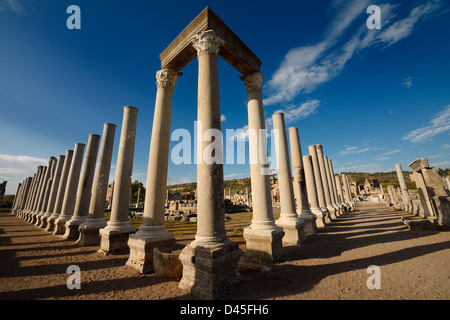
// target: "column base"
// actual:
[[59, 227], [90, 232], [310, 221], [327, 215], [50, 224], [320, 218], [210, 270], [43, 224], [264, 245], [294, 233], [72, 226], [332, 211], [141, 246], [114, 239], [38, 220]]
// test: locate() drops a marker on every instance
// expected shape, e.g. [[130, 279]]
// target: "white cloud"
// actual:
[[223, 118], [370, 168], [440, 123], [391, 152], [407, 82], [354, 149], [304, 68], [15, 6], [442, 164]]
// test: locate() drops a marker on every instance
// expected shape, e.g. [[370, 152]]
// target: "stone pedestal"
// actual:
[[114, 236], [209, 271]]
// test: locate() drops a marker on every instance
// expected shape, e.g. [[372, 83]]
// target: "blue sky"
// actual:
[[372, 98]]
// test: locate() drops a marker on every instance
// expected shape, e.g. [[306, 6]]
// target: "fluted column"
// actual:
[[84, 189], [53, 191], [152, 233], [89, 230], [319, 184], [217, 269], [313, 200], [300, 189], [114, 236], [56, 210], [292, 225], [68, 205]]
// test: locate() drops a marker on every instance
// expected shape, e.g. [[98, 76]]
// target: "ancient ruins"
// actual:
[[68, 197]]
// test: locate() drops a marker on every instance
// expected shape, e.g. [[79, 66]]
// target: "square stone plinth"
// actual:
[[89, 233], [209, 271], [264, 246], [294, 233], [115, 241], [141, 249]]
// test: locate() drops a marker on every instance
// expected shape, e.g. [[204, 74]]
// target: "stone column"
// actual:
[[16, 196], [152, 232], [330, 177], [73, 178], [319, 184], [313, 200], [84, 189], [24, 191], [347, 192], [289, 220], [326, 186], [37, 196], [89, 230], [56, 211], [210, 262], [339, 192], [404, 189], [350, 196], [53, 191], [300, 189], [48, 185], [22, 212], [114, 236]]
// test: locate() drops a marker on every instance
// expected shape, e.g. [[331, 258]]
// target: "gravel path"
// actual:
[[331, 265]]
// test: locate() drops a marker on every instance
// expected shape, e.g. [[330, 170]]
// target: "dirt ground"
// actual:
[[332, 265]]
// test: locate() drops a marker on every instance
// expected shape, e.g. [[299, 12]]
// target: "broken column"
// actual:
[[152, 232], [114, 236], [89, 230], [292, 225], [84, 189], [406, 203]]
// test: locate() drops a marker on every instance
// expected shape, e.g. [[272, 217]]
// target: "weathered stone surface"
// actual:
[[167, 265]]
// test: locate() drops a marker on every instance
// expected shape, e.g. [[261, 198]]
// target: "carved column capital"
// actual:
[[167, 78], [253, 80], [207, 41]]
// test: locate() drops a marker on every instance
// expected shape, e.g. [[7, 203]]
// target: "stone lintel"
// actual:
[[180, 52], [419, 164]]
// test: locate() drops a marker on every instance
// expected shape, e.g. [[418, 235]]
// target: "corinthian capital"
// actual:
[[207, 41], [167, 78], [253, 80]]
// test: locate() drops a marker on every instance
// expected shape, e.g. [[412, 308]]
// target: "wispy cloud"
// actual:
[[357, 149], [440, 123], [370, 168], [223, 118], [304, 68], [14, 6], [391, 152], [407, 82]]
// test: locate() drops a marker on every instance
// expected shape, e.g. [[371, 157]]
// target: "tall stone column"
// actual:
[[114, 236], [319, 184], [23, 211], [46, 195], [339, 192], [37, 193], [326, 186], [331, 186], [404, 189], [152, 232], [300, 189], [348, 196], [53, 191], [292, 225], [68, 205], [89, 230], [210, 262], [56, 210], [312, 192], [16, 197], [84, 189], [24, 191], [263, 237]]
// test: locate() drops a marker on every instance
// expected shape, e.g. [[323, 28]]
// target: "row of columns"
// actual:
[[210, 262]]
